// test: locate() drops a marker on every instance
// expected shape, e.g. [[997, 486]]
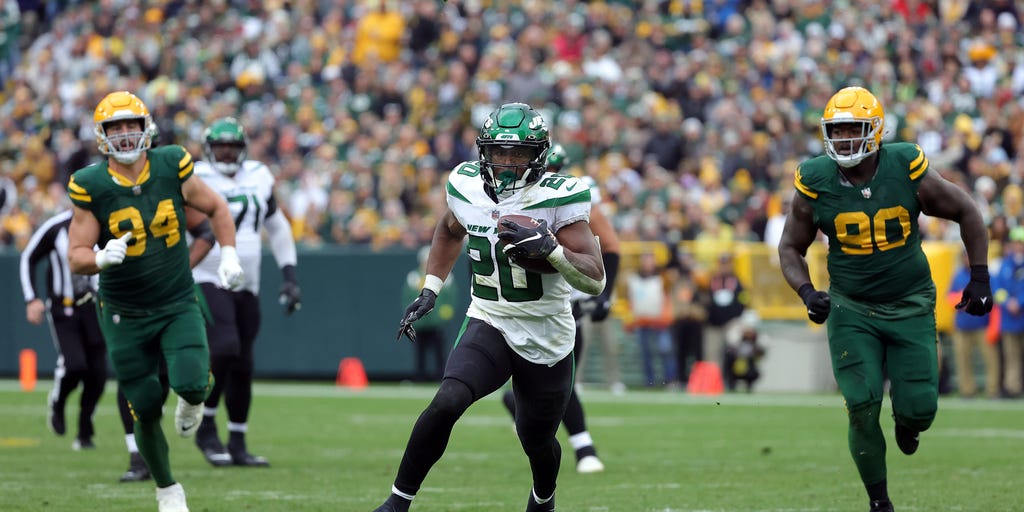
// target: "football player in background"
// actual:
[[880, 306], [248, 188], [520, 323], [133, 205], [597, 308]]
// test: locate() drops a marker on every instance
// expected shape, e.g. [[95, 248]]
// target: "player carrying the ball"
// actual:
[[519, 323]]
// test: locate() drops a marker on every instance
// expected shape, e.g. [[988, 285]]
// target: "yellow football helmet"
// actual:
[[125, 147], [852, 105]]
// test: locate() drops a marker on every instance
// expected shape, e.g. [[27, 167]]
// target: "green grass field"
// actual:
[[333, 449]]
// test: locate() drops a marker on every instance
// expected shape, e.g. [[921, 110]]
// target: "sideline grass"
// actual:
[[338, 450]]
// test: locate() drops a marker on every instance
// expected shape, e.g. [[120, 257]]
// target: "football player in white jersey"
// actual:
[[583, 304], [519, 324], [248, 187]]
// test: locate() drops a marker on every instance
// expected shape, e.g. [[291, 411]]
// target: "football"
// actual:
[[532, 265]]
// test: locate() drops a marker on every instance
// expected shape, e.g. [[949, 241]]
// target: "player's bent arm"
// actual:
[[83, 233], [445, 246], [578, 258], [941, 198], [282, 242], [797, 235], [201, 197]]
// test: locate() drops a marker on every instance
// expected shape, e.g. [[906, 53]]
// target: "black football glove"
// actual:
[[598, 308], [818, 303], [290, 297], [417, 309], [531, 243], [977, 297]]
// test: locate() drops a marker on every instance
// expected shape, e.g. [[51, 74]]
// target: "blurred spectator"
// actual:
[[728, 302], [741, 358], [972, 334], [689, 313], [431, 334], [1009, 295], [651, 315]]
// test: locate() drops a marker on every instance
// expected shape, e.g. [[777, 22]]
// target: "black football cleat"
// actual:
[[213, 450], [240, 455], [82, 443], [533, 506], [55, 418], [881, 506], [137, 469], [907, 439]]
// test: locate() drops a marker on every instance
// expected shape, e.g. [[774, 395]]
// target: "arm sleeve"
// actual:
[[41, 244], [202, 231], [282, 244]]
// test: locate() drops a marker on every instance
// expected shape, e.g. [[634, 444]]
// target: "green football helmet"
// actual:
[[224, 145], [514, 130], [558, 159]]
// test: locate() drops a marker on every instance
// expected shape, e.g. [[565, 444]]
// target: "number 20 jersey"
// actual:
[[531, 310], [155, 271], [250, 198], [874, 251]]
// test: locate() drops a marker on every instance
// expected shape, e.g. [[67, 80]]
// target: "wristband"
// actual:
[[979, 273], [805, 290], [433, 283]]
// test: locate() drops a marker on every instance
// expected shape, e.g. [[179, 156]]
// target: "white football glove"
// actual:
[[113, 253], [230, 270]]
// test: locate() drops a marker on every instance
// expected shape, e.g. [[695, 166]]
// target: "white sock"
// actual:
[[238, 427], [209, 411], [580, 440], [540, 501], [129, 441], [396, 492]]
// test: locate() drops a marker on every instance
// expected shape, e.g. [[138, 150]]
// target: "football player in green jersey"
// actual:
[[133, 205], [880, 305]]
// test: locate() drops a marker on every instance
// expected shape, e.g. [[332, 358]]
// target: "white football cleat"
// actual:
[[589, 464], [187, 417], [171, 499]]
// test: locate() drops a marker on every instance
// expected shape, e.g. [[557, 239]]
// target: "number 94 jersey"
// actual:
[[155, 270], [874, 252], [250, 197], [531, 310]]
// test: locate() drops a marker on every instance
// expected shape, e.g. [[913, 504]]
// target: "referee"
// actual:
[[71, 315]]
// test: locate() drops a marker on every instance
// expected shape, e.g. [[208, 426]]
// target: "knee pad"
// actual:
[[916, 405], [864, 416], [451, 400]]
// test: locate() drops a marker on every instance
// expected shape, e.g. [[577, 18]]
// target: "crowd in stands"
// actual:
[[692, 114]]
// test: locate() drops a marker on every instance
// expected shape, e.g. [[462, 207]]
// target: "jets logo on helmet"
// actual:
[[513, 144], [224, 145], [127, 146]]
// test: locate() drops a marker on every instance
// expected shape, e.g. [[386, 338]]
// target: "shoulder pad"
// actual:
[[812, 175], [910, 158], [175, 156], [556, 190]]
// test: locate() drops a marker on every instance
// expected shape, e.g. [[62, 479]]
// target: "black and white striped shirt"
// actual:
[[51, 241]]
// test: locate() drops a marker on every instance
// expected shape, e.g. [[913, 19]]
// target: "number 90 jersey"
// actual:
[[874, 252], [531, 310], [250, 197], [155, 270]]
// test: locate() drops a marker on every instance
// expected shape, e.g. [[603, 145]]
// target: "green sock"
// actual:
[[153, 447]]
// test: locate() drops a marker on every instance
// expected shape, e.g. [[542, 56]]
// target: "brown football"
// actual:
[[532, 265]]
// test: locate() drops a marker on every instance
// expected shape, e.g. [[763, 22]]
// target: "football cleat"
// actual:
[[55, 418], [907, 439], [881, 506], [187, 417], [533, 506], [137, 469], [240, 455], [80, 444], [589, 464], [171, 499]]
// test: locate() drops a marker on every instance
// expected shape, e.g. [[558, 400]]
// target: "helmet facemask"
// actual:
[[513, 145], [224, 146], [125, 146], [850, 150]]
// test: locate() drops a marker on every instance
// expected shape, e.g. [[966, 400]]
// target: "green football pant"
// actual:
[[862, 347], [136, 344]]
